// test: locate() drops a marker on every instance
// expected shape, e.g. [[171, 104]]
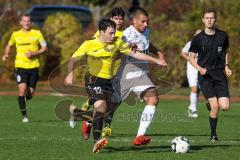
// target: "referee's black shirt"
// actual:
[[211, 49]]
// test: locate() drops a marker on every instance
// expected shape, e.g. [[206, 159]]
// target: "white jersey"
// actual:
[[186, 47], [132, 36], [186, 50], [131, 67], [192, 72], [132, 74]]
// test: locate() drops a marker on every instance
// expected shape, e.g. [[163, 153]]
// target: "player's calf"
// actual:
[[29, 94]]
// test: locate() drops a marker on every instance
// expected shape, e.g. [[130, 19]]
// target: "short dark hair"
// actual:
[[25, 15], [209, 10], [140, 11], [118, 11], [105, 23]]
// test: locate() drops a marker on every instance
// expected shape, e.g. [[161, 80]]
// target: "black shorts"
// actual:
[[98, 88], [214, 84], [28, 76]]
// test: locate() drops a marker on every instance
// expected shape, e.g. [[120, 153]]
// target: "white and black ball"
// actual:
[[180, 145]]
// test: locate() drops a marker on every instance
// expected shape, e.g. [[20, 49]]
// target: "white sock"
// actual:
[[193, 101], [146, 119]]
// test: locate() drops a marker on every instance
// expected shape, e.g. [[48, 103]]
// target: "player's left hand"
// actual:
[[228, 71], [161, 62], [4, 58], [133, 47], [30, 54], [68, 80]]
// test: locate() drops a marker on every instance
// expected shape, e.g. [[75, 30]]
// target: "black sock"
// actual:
[[108, 119], [213, 126], [97, 125], [89, 122], [22, 105], [28, 95], [83, 115]]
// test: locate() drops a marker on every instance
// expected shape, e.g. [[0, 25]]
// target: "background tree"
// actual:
[[64, 35], [172, 24]]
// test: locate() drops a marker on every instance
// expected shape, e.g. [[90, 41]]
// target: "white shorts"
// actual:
[[123, 87], [192, 75]]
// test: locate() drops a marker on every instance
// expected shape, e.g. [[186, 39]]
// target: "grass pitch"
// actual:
[[46, 137]]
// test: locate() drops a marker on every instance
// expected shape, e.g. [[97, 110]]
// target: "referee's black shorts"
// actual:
[[28, 76], [98, 88], [214, 84]]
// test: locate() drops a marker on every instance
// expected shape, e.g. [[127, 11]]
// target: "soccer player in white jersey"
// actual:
[[192, 76], [132, 74]]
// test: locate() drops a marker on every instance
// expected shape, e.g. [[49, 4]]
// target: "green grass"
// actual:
[[48, 138]]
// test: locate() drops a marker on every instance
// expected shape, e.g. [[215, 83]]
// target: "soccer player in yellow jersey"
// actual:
[[117, 16], [100, 53], [27, 43]]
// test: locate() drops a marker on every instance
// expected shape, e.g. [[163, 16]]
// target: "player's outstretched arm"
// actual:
[[145, 57]]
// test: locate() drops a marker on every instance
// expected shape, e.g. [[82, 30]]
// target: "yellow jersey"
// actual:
[[101, 56], [117, 62], [26, 42]]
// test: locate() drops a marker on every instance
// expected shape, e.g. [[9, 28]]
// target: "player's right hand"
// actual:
[[228, 71], [203, 71], [4, 58]]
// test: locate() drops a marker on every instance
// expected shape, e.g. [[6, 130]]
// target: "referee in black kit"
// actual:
[[211, 46]]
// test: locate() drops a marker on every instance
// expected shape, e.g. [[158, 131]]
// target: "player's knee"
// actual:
[[100, 106], [194, 89], [21, 93], [214, 108], [100, 109], [153, 101], [214, 112], [225, 107]]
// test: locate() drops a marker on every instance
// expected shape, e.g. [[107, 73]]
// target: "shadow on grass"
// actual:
[[115, 135], [155, 149], [213, 145], [174, 134], [145, 149]]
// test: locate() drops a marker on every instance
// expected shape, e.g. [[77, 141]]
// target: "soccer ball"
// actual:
[[180, 145]]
